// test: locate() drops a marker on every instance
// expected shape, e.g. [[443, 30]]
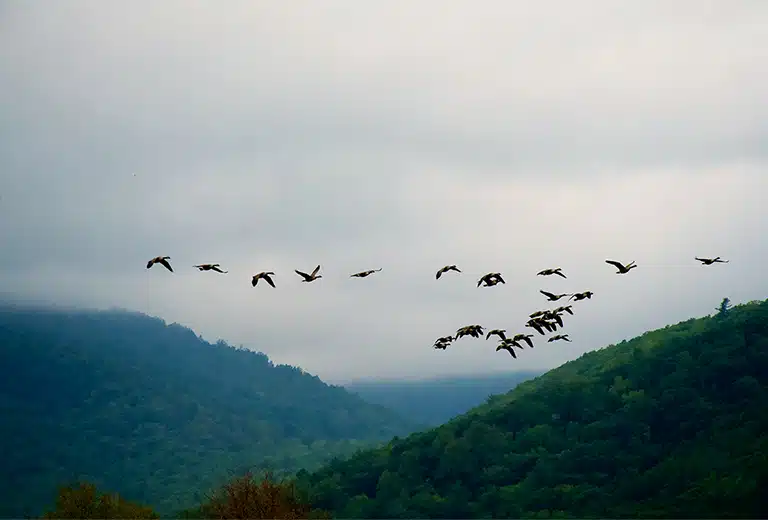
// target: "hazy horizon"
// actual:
[[497, 136]]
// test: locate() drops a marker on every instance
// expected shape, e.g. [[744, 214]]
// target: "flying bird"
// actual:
[[553, 297], [162, 260], [496, 332], [310, 277], [264, 275], [210, 267], [445, 270], [563, 337], [524, 337], [363, 274], [567, 308], [547, 272], [507, 345], [470, 330], [622, 269], [581, 296], [491, 279], [540, 324], [554, 316], [710, 261]]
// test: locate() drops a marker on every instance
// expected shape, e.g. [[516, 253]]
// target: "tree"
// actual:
[[724, 307], [246, 497], [84, 501]]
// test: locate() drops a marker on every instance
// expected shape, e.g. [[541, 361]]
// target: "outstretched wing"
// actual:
[[303, 275], [269, 280], [560, 274], [548, 294], [317, 269], [617, 265], [166, 264]]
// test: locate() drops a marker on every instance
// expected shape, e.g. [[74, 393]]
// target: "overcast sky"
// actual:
[[506, 136]]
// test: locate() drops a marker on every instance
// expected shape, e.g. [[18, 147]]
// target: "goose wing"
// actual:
[[166, 264]]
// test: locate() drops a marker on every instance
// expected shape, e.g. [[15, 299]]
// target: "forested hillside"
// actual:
[[672, 424], [435, 401], [154, 412]]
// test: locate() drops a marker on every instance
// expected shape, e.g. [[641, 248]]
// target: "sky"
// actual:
[[500, 136]]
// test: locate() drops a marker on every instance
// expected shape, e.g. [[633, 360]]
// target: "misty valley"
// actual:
[[121, 415]]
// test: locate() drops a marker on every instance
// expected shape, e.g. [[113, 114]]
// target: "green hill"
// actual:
[[152, 411], [672, 424], [435, 401]]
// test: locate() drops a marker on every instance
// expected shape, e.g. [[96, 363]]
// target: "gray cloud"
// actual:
[[498, 136]]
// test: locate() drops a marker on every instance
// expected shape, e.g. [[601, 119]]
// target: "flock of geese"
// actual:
[[542, 321]]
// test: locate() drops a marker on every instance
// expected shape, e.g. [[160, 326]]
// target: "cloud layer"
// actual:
[[499, 136]]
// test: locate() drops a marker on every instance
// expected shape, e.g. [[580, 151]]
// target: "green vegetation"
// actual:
[[672, 424], [128, 403], [436, 401]]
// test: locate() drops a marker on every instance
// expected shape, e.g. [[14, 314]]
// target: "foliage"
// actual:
[[249, 497], [724, 307], [435, 401], [82, 500], [129, 403], [671, 424]]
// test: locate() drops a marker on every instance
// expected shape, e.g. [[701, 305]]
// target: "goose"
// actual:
[[581, 296], [445, 270], [210, 267], [524, 337], [563, 337], [710, 261], [554, 316], [162, 260], [622, 269], [539, 325], [264, 275], [537, 314], [547, 272], [491, 279], [553, 297], [496, 332], [363, 274], [310, 277], [507, 345], [470, 330], [567, 308]]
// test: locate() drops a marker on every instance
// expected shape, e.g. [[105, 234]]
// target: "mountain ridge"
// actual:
[[130, 402], [669, 424]]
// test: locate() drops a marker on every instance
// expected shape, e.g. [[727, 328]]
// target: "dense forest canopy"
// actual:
[[671, 424], [150, 410]]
